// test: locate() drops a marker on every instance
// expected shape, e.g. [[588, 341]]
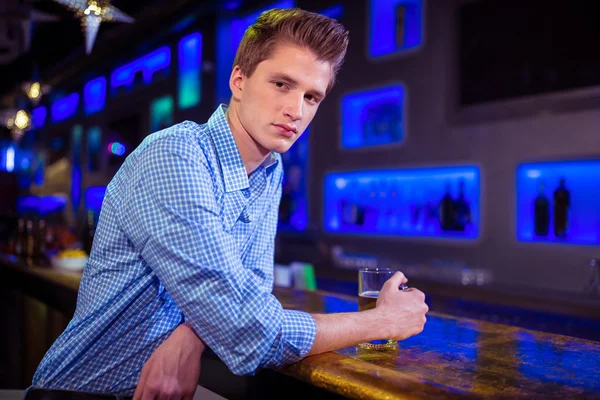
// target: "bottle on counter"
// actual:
[[541, 212], [562, 203]]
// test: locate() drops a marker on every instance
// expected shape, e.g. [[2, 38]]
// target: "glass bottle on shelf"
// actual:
[[562, 202], [462, 209], [447, 211], [541, 213]]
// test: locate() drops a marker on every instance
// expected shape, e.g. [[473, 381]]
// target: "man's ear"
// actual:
[[236, 81]]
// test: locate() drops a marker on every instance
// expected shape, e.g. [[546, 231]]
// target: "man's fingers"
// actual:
[[139, 389], [397, 279]]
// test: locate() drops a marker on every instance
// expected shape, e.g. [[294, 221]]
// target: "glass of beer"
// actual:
[[370, 282]]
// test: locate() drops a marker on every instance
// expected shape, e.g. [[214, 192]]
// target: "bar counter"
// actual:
[[452, 358]]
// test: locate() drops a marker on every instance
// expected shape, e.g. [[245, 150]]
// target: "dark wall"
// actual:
[[497, 137]]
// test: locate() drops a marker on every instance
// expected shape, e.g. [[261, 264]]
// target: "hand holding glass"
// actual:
[[370, 282]]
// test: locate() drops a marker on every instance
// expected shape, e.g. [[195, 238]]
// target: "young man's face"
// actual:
[[281, 97]]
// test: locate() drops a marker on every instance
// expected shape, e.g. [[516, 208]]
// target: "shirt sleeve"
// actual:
[[176, 225]]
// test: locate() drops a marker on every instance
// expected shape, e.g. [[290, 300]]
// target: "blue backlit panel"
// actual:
[[229, 35], [421, 202], [65, 108], [148, 65], [395, 26], [94, 196], [190, 70], [94, 95], [39, 115], [559, 202], [293, 207], [374, 117]]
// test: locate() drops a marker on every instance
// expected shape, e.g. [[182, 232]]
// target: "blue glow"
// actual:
[[190, 70], [420, 202], [395, 26], [39, 115], [543, 360], [76, 138], [333, 11], [94, 196], [117, 148], [10, 159], [65, 107], [229, 35], [374, 117], [583, 215], [94, 95], [293, 210], [148, 65], [40, 205]]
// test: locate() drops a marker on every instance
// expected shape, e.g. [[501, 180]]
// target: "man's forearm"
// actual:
[[336, 331]]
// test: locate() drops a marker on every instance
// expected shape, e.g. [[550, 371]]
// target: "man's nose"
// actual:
[[293, 109]]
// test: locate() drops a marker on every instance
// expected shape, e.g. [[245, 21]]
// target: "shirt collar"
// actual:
[[232, 166]]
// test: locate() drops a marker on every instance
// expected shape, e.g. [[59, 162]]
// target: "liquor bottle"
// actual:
[[541, 213], [447, 219], [462, 209], [562, 202]]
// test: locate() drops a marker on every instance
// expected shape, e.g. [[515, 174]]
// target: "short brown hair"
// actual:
[[324, 36]]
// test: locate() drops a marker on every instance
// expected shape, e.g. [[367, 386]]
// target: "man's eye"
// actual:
[[280, 84]]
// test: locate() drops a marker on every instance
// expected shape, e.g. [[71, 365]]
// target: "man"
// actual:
[[183, 253]]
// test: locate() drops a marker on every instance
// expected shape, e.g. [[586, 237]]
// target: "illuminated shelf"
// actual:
[[374, 117], [395, 26], [419, 202], [547, 213]]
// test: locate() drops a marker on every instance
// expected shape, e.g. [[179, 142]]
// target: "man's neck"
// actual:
[[252, 153]]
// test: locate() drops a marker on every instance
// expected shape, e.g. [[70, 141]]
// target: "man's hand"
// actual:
[[402, 311], [172, 372]]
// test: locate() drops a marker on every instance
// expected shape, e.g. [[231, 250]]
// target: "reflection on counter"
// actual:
[[558, 202], [424, 202], [374, 117]]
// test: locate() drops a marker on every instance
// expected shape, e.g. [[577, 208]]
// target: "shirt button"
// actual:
[[246, 193]]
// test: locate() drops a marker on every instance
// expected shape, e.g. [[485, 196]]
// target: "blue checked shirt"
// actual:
[[184, 234]]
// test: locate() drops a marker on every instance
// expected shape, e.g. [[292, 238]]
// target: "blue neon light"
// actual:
[[40, 205], [94, 95], [149, 64], [94, 196], [333, 11], [420, 202], [190, 70], [293, 210], [39, 115], [374, 117], [395, 26], [229, 35], [65, 107], [582, 215]]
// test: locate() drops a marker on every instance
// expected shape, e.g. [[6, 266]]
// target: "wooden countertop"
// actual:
[[451, 358]]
